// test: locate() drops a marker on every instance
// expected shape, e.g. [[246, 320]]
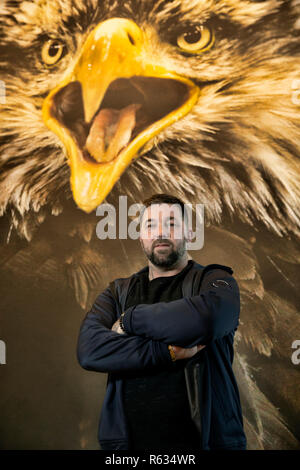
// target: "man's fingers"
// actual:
[[115, 326], [184, 353]]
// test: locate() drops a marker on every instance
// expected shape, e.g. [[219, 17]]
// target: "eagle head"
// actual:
[[189, 97]]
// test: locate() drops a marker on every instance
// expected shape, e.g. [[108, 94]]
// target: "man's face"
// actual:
[[162, 234]]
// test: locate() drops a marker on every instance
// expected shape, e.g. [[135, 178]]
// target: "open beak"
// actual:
[[114, 101]]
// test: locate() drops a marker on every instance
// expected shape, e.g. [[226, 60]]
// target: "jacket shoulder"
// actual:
[[200, 274], [212, 267], [219, 276]]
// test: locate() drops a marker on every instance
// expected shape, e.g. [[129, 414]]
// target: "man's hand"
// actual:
[[116, 327], [185, 353]]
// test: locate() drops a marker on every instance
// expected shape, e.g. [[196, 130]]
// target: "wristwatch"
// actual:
[[172, 354], [121, 322]]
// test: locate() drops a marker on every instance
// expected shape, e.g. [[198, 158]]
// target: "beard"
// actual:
[[168, 257]]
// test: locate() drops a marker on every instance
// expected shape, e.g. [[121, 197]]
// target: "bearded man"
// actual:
[[165, 337]]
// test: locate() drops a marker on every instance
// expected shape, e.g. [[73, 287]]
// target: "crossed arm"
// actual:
[[186, 322]]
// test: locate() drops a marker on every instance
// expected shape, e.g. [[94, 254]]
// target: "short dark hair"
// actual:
[[161, 198]]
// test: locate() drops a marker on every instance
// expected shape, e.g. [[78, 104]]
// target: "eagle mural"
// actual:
[[196, 98]]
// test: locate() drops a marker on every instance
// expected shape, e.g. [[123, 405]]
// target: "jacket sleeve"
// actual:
[[199, 319], [103, 350]]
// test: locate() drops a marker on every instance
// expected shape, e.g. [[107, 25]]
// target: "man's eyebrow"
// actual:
[[171, 217]]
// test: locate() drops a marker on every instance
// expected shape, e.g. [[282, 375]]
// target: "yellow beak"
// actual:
[[113, 56]]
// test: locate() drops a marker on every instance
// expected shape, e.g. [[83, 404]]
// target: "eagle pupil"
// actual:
[[192, 36], [53, 49]]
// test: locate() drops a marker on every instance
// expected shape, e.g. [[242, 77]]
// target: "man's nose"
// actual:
[[162, 231]]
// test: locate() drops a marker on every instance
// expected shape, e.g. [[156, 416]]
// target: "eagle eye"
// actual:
[[52, 51], [196, 39]]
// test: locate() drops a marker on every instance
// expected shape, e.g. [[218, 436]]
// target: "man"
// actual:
[[165, 337]]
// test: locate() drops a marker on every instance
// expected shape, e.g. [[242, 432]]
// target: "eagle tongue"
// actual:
[[110, 132]]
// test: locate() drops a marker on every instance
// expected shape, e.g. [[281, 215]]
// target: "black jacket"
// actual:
[[208, 313]]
